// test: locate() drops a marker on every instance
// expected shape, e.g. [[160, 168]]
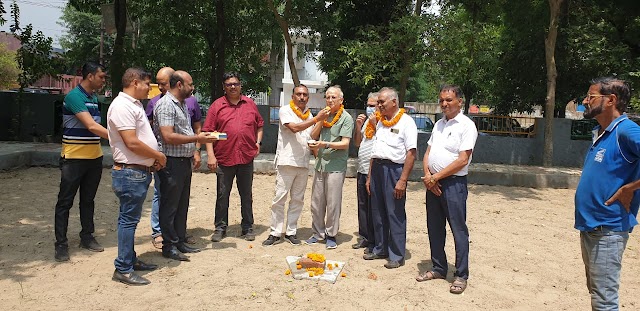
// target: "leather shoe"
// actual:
[[142, 266], [131, 279], [360, 244], [174, 254], [218, 235], [392, 264], [184, 248], [372, 256]]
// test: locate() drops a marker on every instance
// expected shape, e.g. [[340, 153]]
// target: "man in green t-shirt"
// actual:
[[80, 159], [332, 151]]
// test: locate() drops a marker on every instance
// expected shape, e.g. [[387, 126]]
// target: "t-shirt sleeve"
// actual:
[[164, 114], [469, 137], [75, 103], [347, 128], [286, 115], [122, 119], [411, 135], [629, 139], [197, 113], [149, 109], [210, 122]]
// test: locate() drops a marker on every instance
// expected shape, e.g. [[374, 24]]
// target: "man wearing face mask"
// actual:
[[172, 127], [365, 148]]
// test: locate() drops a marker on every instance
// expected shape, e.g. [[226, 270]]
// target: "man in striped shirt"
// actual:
[[80, 159], [365, 148]]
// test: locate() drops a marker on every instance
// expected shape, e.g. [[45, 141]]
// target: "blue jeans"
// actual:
[[130, 186], [155, 207], [602, 255]]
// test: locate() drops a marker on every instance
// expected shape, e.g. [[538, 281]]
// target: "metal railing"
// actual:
[[504, 125], [581, 129]]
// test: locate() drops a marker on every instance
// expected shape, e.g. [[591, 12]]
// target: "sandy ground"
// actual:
[[524, 256]]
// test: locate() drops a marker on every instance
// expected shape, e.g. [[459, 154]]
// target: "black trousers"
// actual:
[[365, 219], [77, 174], [175, 188], [244, 182]]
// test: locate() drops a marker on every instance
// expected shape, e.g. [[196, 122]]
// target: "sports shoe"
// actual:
[[248, 234], [91, 244], [62, 253], [331, 243], [272, 240], [310, 241], [218, 235], [292, 239]]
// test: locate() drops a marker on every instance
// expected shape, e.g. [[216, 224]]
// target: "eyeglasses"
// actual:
[[590, 96], [233, 84]]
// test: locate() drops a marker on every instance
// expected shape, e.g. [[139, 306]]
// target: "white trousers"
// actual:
[[326, 203], [293, 181]]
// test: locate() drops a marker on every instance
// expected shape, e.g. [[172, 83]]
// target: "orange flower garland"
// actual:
[[297, 111], [335, 119], [370, 130]]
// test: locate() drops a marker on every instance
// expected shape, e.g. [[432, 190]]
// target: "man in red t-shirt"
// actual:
[[238, 117]]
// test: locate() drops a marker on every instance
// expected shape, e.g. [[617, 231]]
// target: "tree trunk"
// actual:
[[284, 26], [117, 58], [407, 60], [218, 65], [552, 74]]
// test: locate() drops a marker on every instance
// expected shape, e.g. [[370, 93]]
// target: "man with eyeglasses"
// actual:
[[394, 153], [162, 78], [365, 147], [237, 116], [331, 148], [607, 198]]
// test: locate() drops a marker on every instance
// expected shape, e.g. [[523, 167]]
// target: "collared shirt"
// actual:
[[192, 107], [126, 113], [241, 123], [335, 160], [292, 147], [392, 143], [171, 112], [610, 163], [448, 139], [365, 151], [77, 141]]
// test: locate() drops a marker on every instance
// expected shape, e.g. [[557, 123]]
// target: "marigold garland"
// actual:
[[370, 130], [335, 119], [297, 111]]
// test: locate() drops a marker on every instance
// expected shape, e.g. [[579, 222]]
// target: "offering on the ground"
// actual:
[[314, 266]]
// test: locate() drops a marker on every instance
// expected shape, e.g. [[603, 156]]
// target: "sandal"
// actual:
[[157, 242], [458, 286], [429, 275]]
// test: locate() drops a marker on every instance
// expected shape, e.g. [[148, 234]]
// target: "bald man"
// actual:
[[162, 78], [172, 127]]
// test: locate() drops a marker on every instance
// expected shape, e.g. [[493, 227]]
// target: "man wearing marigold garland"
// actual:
[[394, 151], [364, 142], [292, 165], [332, 152], [446, 163]]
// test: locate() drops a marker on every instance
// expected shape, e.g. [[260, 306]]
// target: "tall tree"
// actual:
[[552, 75], [117, 58], [283, 22]]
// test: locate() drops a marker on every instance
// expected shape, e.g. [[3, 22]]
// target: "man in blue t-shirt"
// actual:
[[607, 196]]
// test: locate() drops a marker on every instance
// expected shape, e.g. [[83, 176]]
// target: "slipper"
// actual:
[[157, 242], [429, 275], [458, 286]]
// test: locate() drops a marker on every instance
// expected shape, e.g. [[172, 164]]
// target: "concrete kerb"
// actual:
[[18, 155]]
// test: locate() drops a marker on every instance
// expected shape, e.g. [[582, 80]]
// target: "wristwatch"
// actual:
[[259, 143]]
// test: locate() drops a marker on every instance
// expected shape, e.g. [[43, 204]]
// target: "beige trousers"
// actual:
[[326, 203], [293, 181]]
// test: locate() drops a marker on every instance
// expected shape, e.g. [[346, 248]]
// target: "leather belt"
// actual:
[[120, 166], [383, 161]]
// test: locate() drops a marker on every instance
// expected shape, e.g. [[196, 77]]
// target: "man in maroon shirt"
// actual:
[[238, 116]]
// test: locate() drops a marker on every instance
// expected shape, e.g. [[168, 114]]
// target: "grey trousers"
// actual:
[[326, 203]]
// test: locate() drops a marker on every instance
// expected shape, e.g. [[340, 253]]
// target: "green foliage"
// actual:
[[82, 39], [8, 68]]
